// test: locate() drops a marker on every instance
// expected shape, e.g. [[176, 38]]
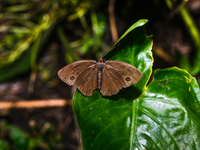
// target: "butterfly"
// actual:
[[109, 77]]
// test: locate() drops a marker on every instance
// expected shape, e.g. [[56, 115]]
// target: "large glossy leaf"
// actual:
[[134, 47], [168, 113], [165, 116]]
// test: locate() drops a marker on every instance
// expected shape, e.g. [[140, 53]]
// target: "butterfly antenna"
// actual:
[[97, 53]]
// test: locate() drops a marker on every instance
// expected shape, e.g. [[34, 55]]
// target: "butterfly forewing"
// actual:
[[117, 74], [129, 74], [72, 72]]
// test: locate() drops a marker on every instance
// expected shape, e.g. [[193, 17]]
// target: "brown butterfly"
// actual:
[[109, 76]]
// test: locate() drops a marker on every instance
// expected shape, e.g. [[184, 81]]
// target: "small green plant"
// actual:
[[162, 115]]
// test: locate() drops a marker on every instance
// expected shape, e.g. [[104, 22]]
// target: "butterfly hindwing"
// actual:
[[89, 82], [109, 85]]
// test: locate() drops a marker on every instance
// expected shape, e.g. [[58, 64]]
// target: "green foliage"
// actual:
[[92, 37], [20, 47], [164, 116], [192, 29], [194, 66], [15, 138], [3, 145], [28, 32]]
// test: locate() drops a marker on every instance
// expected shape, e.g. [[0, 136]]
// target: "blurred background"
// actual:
[[39, 37]]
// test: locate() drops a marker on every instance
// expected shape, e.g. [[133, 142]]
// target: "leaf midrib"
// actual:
[[133, 122]]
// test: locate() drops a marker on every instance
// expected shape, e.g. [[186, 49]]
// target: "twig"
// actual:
[[112, 21], [35, 104], [30, 88], [162, 54]]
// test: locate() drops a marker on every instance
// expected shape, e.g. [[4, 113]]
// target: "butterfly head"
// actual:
[[101, 59]]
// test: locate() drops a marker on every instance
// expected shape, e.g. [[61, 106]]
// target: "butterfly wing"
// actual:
[[117, 75], [82, 74]]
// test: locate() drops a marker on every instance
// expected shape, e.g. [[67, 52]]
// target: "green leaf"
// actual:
[[17, 136], [196, 64], [134, 47], [3, 145], [168, 113], [190, 25], [23, 64], [165, 116], [105, 121], [20, 66]]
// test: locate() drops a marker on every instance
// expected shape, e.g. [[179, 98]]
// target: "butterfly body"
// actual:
[[109, 76], [100, 66]]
